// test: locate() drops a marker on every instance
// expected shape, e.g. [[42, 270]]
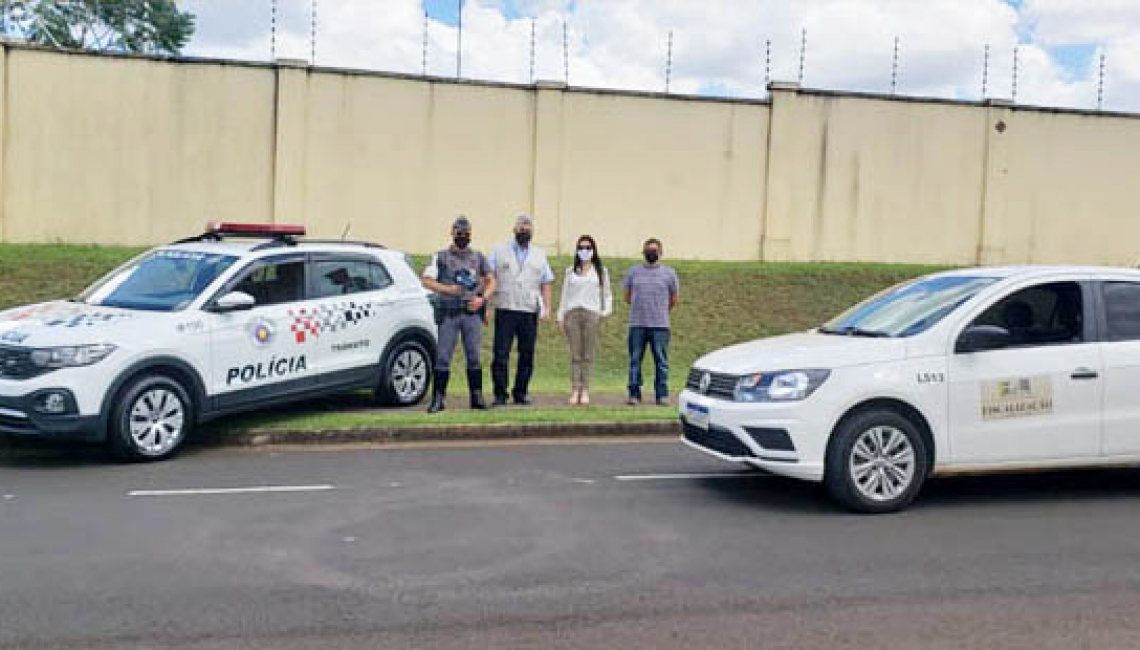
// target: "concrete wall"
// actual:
[[396, 160], [870, 179], [131, 151], [128, 150], [1062, 187], [692, 175]]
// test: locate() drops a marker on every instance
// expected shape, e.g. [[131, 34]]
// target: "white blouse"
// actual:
[[582, 291]]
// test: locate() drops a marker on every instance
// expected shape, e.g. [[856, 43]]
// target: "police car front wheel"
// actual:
[[406, 374], [876, 462], [151, 418]]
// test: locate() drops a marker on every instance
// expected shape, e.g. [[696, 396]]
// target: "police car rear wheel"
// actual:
[[407, 373], [151, 419], [876, 462]]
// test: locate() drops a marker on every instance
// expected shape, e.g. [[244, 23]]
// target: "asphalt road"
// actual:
[[584, 545]]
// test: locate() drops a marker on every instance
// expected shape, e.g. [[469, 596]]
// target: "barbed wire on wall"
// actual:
[[671, 61], [895, 67], [1100, 84], [1095, 91]]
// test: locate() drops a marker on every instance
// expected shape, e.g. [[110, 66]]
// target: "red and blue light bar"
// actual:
[[255, 229]]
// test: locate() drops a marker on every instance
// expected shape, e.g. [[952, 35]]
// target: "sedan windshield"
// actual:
[[162, 280], [909, 308]]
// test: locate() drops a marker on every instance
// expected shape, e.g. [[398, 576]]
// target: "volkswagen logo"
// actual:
[[706, 381]]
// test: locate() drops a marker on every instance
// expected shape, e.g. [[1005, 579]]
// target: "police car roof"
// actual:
[[1032, 271], [244, 247]]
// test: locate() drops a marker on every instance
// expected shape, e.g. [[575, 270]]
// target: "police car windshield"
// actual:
[[162, 280], [907, 309]]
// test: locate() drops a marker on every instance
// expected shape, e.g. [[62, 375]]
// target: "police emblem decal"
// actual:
[[262, 331], [706, 381]]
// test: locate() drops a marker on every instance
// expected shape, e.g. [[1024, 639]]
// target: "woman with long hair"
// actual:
[[586, 299]]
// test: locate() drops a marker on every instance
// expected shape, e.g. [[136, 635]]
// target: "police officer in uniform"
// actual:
[[461, 280]]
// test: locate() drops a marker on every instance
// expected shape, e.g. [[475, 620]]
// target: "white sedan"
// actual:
[[989, 369]]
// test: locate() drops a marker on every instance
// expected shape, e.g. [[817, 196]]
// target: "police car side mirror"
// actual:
[[233, 301], [980, 338]]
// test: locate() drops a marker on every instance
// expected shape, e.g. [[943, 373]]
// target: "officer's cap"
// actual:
[[461, 224]]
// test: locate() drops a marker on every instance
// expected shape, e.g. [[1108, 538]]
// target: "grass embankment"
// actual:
[[721, 303]]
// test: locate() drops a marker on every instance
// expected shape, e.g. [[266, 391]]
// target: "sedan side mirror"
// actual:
[[233, 301], [980, 338]]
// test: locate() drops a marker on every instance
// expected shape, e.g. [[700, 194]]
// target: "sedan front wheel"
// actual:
[[876, 462]]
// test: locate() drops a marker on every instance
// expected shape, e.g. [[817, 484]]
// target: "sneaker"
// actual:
[[522, 401], [633, 401], [499, 401], [662, 401]]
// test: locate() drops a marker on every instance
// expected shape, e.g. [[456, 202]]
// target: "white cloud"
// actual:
[[1076, 22], [717, 43]]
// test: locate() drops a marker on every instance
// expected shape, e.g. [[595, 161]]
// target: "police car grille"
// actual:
[[720, 384], [718, 440], [16, 363]]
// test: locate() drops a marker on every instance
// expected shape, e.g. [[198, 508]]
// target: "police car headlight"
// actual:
[[71, 356], [787, 386]]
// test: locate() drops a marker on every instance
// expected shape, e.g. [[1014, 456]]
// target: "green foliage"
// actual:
[[138, 26]]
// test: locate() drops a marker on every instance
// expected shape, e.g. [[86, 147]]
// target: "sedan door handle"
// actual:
[[1084, 373]]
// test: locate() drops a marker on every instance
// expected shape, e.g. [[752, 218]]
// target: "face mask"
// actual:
[[585, 254], [652, 256], [523, 238], [461, 241]]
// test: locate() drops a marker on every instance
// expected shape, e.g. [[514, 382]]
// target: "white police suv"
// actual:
[[241, 317], [974, 370]]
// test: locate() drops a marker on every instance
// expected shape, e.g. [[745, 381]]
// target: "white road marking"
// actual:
[[675, 477], [583, 481], [240, 490]]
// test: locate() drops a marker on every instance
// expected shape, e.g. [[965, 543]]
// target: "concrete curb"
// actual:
[[449, 433]]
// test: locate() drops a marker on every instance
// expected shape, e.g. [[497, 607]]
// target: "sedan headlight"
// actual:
[[71, 356], [785, 386]]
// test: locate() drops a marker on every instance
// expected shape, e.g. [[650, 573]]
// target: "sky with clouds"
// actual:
[[719, 46]]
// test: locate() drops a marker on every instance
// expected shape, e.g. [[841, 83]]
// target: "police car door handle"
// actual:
[[1084, 373]]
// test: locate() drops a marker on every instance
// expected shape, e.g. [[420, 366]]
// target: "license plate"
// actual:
[[697, 416]]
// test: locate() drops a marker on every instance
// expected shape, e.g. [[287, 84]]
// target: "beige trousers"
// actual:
[[582, 334]]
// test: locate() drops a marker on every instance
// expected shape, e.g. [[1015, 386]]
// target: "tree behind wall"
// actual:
[[141, 26]]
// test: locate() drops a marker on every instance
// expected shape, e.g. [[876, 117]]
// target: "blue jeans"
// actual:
[[657, 338]]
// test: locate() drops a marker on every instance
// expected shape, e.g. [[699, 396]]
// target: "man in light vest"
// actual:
[[522, 297]]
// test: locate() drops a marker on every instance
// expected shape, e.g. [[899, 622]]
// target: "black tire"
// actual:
[[884, 481], [397, 387], [162, 397]]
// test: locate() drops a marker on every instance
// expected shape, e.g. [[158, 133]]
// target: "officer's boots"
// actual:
[[439, 390], [475, 387]]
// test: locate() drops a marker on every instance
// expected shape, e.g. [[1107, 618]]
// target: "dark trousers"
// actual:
[[455, 326], [510, 325], [657, 338]]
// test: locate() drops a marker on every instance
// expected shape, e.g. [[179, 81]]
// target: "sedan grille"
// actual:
[[718, 440], [722, 386]]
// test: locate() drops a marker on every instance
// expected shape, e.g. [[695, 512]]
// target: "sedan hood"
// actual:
[[58, 321], [803, 351]]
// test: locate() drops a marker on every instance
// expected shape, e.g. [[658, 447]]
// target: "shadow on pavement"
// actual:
[[767, 492], [1039, 487], [770, 492], [49, 455]]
